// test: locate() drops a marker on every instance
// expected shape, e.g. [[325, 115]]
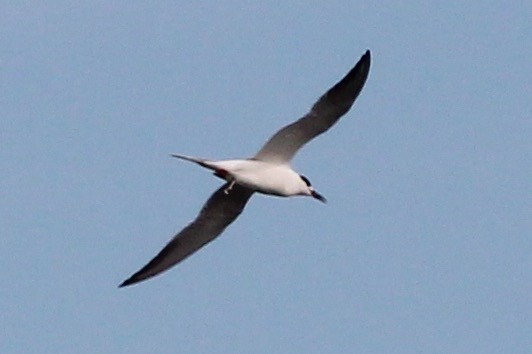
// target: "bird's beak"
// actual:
[[318, 196]]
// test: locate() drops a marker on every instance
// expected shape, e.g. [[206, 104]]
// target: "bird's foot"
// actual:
[[230, 186]]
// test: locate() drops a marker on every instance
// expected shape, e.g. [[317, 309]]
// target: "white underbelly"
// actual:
[[266, 178]]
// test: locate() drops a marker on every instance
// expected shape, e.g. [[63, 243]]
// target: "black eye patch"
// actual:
[[305, 179]]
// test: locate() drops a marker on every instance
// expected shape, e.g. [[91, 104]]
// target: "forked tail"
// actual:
[[202, 162]]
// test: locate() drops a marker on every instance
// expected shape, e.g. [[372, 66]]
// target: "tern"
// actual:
[[268, 172]]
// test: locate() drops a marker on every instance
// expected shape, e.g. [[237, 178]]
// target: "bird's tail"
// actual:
[[202, 162]]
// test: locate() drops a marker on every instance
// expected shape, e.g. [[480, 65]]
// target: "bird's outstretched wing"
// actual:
[[284, 144], [220, 210]]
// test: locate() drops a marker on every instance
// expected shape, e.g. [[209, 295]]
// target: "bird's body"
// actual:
[[259, 176], [267, 178], [268, 172]]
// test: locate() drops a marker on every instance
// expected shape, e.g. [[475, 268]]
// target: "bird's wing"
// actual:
[[220, 210], [284, 144]]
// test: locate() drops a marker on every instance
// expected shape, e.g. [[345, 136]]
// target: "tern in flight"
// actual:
[[268, 172]]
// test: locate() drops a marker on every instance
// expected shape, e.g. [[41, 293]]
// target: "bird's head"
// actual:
[[310, 191]]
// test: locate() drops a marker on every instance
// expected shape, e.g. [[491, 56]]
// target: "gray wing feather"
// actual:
[[284, 144], [218, 212]]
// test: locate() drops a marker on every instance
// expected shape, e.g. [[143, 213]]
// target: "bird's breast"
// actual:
[[264, 177]]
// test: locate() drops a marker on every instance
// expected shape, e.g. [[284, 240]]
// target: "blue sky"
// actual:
[[424, 245]]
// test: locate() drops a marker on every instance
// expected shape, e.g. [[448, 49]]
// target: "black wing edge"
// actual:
[[356, 78], [237, 205]]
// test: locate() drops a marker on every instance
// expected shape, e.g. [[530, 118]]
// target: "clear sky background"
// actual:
[[425, 244]]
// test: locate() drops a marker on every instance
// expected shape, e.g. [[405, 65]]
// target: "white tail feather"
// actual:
[[202, 162]]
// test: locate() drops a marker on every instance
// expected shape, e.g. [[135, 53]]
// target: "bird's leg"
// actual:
[[230, 186]]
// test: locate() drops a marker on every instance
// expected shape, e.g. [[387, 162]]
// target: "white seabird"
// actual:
[[268, 172]]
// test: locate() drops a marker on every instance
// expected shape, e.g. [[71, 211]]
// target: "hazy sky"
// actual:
[[425, 245]]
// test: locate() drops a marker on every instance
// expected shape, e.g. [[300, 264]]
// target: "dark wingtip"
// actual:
[[128, 281], [125, 283], [366, 57]]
